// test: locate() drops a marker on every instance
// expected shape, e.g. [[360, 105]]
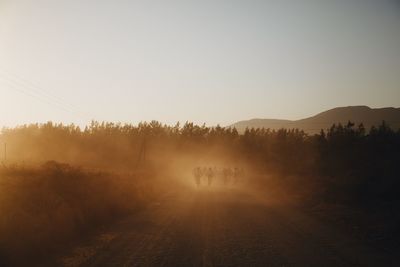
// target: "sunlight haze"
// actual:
[[215, 62], [182, 133]]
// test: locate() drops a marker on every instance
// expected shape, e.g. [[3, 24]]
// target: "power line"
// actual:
[[34, 87], [35, 92], [27, 93], [29, 89]]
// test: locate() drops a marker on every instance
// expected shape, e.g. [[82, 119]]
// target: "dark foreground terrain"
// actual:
[[221, 228]]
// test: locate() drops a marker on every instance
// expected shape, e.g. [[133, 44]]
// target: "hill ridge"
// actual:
[[323, 120]]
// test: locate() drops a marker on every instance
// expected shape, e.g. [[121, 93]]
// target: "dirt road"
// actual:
[[222, 228]]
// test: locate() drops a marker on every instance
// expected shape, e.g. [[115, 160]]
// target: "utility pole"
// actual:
[[3, 162], [142, 153]]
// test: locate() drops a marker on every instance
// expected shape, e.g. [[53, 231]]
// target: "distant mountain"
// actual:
[[357, 114]]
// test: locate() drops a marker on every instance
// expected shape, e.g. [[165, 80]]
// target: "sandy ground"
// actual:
[[211, 227]]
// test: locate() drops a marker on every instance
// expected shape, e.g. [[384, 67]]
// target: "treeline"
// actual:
[[345, 164], [346, 161], [359, 165]]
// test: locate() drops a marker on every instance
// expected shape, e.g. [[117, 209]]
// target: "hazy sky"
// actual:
[[203, 61]]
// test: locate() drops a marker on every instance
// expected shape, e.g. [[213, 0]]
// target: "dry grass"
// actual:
[[46, 207]]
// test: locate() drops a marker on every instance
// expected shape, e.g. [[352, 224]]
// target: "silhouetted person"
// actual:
[[215, 173], [241, 175], [210, 176], [226, 176], [236, 175], [197, 176], [204, 171]]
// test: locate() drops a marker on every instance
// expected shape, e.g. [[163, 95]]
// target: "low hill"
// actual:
[[357, 114]]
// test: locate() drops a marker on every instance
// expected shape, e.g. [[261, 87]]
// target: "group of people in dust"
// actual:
[[210, 175]]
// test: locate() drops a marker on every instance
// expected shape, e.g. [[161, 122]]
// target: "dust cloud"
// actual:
[[59, 182]]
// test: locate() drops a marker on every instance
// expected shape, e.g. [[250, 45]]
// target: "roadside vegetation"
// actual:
[[45, 208], [58, 181]]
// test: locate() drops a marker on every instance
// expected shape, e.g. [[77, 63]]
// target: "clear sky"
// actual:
[[202, 61]]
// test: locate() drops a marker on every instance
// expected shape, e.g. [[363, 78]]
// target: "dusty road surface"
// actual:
[[221, 228]]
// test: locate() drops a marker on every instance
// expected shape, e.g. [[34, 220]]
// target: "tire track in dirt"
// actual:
[[213, 228]]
